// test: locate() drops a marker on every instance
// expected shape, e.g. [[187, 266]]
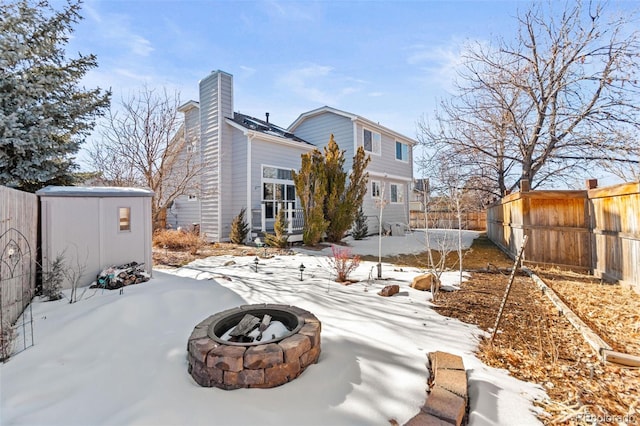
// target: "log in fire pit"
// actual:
[[253, 346]]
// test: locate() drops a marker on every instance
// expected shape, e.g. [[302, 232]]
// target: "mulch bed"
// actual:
[[617, 321], [538, 345]]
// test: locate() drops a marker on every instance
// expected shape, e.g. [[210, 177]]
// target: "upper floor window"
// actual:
[[375, 189], [371, 141], [402, 151], [124, 214]]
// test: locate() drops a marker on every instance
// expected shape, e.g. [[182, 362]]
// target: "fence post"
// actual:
[[290, 218]]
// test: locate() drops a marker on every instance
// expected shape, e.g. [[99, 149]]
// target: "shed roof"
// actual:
[[93, 191]]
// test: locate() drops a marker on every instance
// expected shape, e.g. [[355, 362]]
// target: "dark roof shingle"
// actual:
[[262, 126]]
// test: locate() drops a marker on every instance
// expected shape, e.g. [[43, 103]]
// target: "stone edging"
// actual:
[[448, 398], [262, 366]]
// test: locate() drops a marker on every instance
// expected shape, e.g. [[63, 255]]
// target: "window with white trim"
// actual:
[[395, 193], [375, 189], [402, 151], [124, 218], [371, 141], [277, 188]]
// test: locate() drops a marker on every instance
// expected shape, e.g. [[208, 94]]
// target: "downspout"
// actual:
[[249, 205], [355, 137]]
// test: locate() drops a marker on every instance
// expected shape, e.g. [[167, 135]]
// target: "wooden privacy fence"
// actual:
[[18, 252], [595, 230], [447, 220]]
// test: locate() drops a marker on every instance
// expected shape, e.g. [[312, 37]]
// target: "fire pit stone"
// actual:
[[271, 362]]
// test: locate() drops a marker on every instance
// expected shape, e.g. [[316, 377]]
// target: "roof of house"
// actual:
[[352, 117], [188, 105], [257, 125]]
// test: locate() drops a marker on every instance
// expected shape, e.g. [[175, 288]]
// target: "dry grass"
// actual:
[[538, 345], [617, 322], [178, 240], [175, 258], [481, 254]]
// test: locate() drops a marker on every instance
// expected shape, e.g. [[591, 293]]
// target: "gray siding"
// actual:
[[229, 189], [386, 162], [192, 125], [392, 212], [216, 102], [318, 129], [236, 197], [271, 154], [184, 212]]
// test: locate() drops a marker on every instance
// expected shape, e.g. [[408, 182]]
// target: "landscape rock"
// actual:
[[423, 282], [389, 290]]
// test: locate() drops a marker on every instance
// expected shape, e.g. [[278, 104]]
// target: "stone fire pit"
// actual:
[[270, 362]]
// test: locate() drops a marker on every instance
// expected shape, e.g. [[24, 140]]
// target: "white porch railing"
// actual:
[[293, 217]]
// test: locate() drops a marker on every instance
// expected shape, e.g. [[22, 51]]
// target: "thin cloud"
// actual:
[[439, 64], [305, 82], [132, 75], [247, 71], [116, 29], [321, 84], [292, 11]]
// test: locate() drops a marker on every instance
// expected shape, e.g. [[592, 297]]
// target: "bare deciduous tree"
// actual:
[[563, 96], [452, 196], [145, 144]]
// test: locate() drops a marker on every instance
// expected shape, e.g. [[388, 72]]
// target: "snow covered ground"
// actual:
[[114, 359]]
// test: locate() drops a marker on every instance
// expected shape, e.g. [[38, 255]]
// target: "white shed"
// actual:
[[95, 227]]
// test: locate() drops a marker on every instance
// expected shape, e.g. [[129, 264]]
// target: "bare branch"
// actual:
[[145, 144]]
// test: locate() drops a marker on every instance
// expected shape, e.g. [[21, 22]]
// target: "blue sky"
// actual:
[[388, 61]]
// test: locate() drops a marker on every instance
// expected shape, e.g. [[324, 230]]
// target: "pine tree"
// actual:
[[360, 229], [343, 200], [336, 208], [239, 228], [329, 204], [280, 237], [311, 188], [44, 113]]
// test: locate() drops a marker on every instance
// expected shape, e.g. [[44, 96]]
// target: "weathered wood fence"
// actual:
[[18, 252], [595, 230], [447, 220]]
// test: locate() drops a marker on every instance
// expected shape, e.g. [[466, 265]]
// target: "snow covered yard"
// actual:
[[121, 359]]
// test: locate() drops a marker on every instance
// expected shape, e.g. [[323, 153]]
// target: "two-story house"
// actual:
[[248, 163]]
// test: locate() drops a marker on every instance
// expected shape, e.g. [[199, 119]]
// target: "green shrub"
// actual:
[[239, 228], [280, 238], [360, 229], [53, 278]]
